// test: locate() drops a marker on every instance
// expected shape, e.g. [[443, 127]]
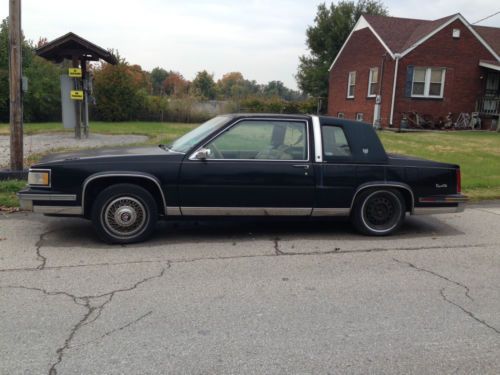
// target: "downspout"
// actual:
[[397, 56]]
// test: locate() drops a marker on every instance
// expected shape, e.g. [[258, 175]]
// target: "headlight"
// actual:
[[39, 177]]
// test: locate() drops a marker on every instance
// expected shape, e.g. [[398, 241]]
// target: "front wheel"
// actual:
[[124, 213], [379, 212]]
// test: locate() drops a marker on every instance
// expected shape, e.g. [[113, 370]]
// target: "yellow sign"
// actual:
[[75, 72], [77, 94]]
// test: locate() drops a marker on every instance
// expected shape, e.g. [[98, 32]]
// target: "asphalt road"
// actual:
[[226, 297]]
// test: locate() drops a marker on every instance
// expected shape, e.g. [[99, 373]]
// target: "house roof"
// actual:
[[400, 36], [491, 35], [71, 45]]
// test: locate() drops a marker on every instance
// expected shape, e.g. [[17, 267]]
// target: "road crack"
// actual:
[[411, 265], [92, 308], [469, 313], [446, 299], [39, 245], [277, 249]]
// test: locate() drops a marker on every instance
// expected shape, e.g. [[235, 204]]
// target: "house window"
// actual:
[[351, 84], [359, 116], [428, 82], [340, 115], [372, 82]]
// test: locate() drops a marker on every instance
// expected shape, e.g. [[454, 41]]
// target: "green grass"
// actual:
[[158, 132], [477, 153], [8, 190]]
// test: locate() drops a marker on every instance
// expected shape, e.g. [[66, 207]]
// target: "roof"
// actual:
[[491, 35], [71, 45], [400, 36], [401, 33]]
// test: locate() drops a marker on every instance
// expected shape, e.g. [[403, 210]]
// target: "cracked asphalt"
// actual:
[[249, 296]]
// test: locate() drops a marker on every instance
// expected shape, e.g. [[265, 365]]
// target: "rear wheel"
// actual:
[[124, 213], [379, 212]]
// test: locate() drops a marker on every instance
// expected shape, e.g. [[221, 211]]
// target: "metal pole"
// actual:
[[15, 74], [85, 87], [78, 105]]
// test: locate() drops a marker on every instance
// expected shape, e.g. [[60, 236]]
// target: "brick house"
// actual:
[[416, 66]]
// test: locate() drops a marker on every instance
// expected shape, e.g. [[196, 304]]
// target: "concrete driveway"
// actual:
[[229, 296]]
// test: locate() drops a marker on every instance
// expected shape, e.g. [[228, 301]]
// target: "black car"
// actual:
[[246, 165]]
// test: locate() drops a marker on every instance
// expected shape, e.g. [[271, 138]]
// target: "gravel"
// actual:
[[38, 143]]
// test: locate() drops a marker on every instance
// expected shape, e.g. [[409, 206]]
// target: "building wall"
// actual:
[[460, 57], [463, 83], [362, 52]]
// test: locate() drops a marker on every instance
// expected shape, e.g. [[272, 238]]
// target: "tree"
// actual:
[[226, 85], [158, 76], [203, 85], [332, 26], [120, 91], [175, 85]]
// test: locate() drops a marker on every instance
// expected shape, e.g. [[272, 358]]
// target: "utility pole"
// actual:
[[16, 100]]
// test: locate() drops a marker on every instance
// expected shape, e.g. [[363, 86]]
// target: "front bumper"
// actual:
[[441, 204], [49, 203]]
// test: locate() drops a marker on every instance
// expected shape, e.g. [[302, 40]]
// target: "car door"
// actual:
[[255, 166]]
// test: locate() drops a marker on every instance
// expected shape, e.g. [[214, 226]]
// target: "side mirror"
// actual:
[[202, 154]]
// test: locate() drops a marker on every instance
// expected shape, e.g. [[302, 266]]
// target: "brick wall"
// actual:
[[460, 57], [463, 83]]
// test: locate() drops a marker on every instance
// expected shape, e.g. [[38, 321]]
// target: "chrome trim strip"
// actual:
[[193, 158], [59, 210], [42, 170], [443, 200], [48, 197], [331, 211], [383, 185], [318, 142], [438, 210], [125, 174], [174, 211], [246, 211]]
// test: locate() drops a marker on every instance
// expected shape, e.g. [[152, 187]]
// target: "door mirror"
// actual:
[[202, 154]]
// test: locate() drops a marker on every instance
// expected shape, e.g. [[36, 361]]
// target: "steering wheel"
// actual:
[[215, 151]]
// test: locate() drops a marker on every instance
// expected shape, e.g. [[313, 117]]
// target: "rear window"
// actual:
[[335, 142]]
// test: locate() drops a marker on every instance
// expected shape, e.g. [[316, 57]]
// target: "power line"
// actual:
[[485, 18]]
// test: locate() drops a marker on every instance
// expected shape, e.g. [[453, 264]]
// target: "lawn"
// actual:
[[477, 153], [163, 132]]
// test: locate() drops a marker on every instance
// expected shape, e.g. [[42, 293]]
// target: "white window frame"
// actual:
[[350, 83], [340, 115], [360, 116], [427, 82], [370, 82]]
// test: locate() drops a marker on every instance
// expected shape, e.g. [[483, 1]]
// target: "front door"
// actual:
[[256, 166]]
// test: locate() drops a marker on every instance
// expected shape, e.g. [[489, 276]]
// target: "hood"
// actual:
[[106, 153]]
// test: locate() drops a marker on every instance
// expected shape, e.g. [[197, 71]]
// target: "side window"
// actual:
[[335, 142], [261, 140]]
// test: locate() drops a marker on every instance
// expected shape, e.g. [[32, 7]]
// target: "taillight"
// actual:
[[459, 181]]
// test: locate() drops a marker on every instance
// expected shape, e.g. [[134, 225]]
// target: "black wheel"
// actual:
[[124, 213], [379, 212]]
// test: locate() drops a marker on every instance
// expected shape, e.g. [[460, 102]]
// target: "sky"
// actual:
[[262, 39]]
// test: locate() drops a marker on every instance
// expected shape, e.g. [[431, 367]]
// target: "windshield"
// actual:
[[184, 143]]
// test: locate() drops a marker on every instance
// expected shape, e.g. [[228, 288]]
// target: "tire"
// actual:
[[124, 213], [379, 212]]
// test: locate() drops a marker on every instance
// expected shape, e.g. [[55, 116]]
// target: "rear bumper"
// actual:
[[441, 204], [48, 203]]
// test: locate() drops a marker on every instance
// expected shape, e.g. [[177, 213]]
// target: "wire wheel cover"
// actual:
[[125, 217]]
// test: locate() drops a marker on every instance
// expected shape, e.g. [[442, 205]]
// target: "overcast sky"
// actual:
[[260, 38]]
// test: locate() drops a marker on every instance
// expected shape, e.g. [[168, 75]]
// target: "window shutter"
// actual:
[[409, 80]]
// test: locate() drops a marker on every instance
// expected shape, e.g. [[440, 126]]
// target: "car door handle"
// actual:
[[303, 166]]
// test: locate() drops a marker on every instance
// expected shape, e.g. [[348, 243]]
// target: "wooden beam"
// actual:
[[15, 76]]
